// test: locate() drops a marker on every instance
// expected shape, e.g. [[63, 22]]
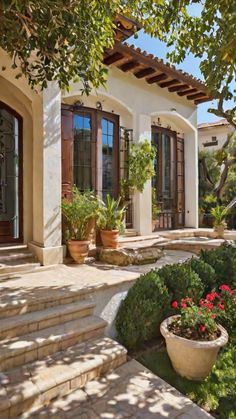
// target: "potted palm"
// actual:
[[79, 213], [110, 221], [194, 337], [219, 214]]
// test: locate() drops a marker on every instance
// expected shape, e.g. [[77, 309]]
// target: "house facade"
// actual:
[[212, 135], [51, 140]]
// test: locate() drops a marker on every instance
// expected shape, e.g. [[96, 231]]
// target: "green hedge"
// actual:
[[223, 261], [148, 302], [142, 311]]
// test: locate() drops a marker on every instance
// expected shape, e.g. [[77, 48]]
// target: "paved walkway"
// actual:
[[131, 391]]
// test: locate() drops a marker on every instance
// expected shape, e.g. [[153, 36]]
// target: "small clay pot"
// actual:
[[78, 250], [110, 239], [192, 359], [219, 231]]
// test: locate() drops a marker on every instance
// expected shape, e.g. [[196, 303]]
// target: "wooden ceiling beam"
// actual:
[[187, 92], [198, 101], [113, 58], [179, 88], [199, 95], [169, 83], [128, 66], [157, 78], [144, 72]]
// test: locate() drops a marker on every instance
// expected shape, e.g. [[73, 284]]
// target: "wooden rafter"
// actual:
[[129, 65], [179, 88], [169, 83], [113, 58], [196, 96], [187, 92], [144, 72], [157, 78]]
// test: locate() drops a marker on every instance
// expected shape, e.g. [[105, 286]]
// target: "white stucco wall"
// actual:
[[205, 136]]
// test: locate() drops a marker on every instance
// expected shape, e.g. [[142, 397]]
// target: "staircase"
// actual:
[[16, 259], [49, 347]]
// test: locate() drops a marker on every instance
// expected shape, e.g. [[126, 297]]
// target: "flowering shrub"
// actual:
[[199, 321]]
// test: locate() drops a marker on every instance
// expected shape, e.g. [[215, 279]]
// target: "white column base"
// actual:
[[47, 255]]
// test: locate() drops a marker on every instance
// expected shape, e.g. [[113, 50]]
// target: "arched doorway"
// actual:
[[10, 175]]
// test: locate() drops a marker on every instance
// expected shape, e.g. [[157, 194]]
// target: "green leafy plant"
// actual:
[[223, 261], [219, 214], [142, 311], [155, 208], [205, 271], [78, 213], [141, 167], [181, 280], [111, 215]]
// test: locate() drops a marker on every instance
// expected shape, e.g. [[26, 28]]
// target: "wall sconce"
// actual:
[[173, 109], [159, 122], [169, 127], [99, 106]]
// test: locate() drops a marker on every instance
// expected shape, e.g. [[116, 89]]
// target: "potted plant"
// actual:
[[79, 213], [219, 214], [194, 337], [110, 221]]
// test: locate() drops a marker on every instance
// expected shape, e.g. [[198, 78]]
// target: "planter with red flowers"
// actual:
[[194, 337]]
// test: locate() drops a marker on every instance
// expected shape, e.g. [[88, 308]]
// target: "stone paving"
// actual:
[[131, 391]]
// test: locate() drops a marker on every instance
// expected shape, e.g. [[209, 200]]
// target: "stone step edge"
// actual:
[[43, 302], [16, 256], [15, 322], [7, 353], [40, 393]]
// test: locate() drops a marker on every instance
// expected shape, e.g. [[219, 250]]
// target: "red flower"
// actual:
[[183, 305], [201, 302], [213, 316], [209, 306], [210, 297], [224, 287], [174, 304], [202, 328], [221, 306]]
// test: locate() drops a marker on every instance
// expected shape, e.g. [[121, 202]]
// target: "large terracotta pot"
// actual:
[[191, 358], [110, 239], [78, 250]]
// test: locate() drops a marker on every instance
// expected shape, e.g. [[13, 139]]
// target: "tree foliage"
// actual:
[[64, 40]]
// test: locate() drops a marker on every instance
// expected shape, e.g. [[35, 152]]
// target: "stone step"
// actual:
[[20, 301], [12, 257], [31, 322], [35, 346], [35, 385], [21, 268]]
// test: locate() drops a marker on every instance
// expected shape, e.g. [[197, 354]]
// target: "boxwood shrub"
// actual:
[[205, 271], [182, 281], [223, 261], [142, 311]]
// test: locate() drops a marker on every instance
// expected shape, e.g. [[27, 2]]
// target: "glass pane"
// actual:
[[107, 157], [9, 175], [82, 152]]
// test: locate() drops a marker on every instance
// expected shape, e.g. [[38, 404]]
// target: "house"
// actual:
[[212, 135], [51, 140]]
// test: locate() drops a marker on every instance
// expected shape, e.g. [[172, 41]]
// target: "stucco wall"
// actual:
[[205, 136]]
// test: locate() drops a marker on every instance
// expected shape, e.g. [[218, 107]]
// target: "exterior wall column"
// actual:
[[191, 178], [47, 233], [143, 201]]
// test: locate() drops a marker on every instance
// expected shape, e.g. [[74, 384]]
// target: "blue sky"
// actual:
[[190, 65]]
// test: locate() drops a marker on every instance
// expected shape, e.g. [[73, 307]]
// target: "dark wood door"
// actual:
[[90, 151], [168, 181], [11, 194]]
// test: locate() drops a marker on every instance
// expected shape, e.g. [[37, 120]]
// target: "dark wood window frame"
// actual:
[[96, 151], [20, 179]]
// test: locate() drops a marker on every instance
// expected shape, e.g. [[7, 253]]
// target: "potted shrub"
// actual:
[[110, 221], [219, 214], [79, 213], [194, 337]]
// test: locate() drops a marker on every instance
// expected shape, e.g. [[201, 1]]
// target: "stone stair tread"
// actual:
[[36, 316], [20, 344], [15, 255], [34, 380]]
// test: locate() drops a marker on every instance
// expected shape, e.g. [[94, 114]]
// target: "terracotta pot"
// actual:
[[78, 250], [191, 358], [110, 239]]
